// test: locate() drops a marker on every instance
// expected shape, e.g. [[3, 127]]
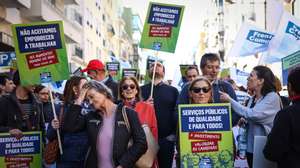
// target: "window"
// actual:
[[103, 17], [78, 18], [78, 52], [52, 2]]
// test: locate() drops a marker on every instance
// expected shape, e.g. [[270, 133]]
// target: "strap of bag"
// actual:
[[126, 118]]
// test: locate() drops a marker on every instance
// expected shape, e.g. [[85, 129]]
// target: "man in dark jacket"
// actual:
[[96, 71], [20, 111], [283, 144], [164, 100]]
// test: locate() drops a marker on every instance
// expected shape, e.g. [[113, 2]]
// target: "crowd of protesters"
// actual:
[[94, 115]]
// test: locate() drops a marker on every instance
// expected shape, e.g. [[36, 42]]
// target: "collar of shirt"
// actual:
[[104, 80], [160, 83]]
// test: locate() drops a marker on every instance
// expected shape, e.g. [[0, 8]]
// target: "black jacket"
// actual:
[[164, 97], [122, 155], [283, 144], [11, 116], [110, 83]]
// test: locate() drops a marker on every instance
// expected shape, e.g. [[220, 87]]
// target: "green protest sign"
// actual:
[[25, 152], [41, 52], [130, 72], [288, 63], [161, 28], [113, 69], [205, 135]]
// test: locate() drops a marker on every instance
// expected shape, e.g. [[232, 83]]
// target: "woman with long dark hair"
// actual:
[[261, 108], [74, 144]]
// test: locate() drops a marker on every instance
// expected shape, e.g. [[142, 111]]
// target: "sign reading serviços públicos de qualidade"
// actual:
[[41, 52], [24, 152], [205, 135]]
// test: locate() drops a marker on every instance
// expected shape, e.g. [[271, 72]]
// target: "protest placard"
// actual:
[[41, 52], [161, 28], [205, 135], [25, 152]]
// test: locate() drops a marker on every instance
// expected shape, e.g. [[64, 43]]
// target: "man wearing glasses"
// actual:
[[96, 71]]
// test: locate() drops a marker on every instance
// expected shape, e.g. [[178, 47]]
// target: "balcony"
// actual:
[[6, 42], [46, 10], [16, 3], [11, 15]]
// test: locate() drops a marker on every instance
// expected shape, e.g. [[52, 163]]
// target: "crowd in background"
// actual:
[[98, 117]]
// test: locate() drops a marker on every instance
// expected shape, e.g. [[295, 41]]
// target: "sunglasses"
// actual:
[[198, 90], [125, 87]]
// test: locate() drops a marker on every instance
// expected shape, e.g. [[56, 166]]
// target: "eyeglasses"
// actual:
[[198, 90], [192, 76], [43, 93], [125, 87]]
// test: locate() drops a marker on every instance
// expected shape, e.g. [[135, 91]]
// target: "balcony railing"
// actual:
[[6, 39]]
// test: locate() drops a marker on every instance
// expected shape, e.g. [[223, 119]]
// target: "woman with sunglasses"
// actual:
[[106, 128], [129, 94], [200, 91]]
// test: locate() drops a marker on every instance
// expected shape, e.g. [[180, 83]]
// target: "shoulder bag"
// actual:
[[148, 158], [52, 149]]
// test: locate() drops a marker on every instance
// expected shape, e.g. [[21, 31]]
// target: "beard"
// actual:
[[157, 75]]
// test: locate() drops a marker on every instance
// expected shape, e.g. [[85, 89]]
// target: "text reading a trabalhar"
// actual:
[[39, 38]]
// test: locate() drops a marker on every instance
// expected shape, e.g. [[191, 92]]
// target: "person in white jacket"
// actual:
[[261, 108]]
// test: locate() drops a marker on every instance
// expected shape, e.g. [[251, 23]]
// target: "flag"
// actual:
[[249, 41], [286, 40]]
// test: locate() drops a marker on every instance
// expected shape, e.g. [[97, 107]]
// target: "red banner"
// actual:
[[204, 146], [18, 165], [40, 59], [160, 31], [205, 136], [18, 158]]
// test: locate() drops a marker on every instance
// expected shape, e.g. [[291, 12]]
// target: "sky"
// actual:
[[189, 30]]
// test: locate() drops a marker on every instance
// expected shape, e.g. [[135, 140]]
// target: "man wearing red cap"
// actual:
[[96, 71]]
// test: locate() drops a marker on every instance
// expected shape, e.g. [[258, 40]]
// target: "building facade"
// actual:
[[93, 29]]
